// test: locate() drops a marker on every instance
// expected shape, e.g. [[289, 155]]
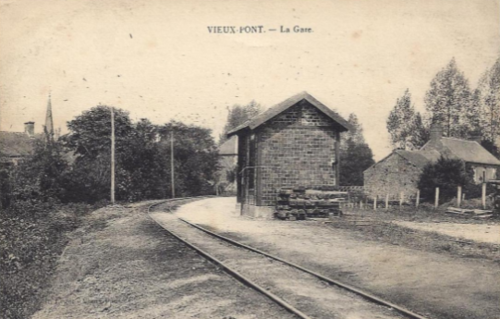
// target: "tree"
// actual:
[[355, 133], [237, 115], [446, 174], [487, 100], [195, 156], [142, 158], [355, 155], [399, 123], [449, 101], [353, 162], [89, 140], [420, 132], [90, 132], [40, 177]]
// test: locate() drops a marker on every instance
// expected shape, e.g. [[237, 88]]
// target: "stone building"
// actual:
[[17, 146], [293, 144], [400, 171], [397, 173]]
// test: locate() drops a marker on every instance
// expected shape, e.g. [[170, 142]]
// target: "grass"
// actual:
[[32, 237]]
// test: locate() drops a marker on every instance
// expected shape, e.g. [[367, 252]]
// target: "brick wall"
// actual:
[[296, 148], [392, 176]]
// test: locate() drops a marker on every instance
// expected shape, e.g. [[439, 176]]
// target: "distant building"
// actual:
[[293, 144], [400, 171], [16, 146]]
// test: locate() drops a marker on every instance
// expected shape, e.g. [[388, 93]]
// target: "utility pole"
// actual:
[[172, 163], [112, 156]]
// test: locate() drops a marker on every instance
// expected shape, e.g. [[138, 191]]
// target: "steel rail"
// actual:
[[368, 296], [246, 281], [357, 291]]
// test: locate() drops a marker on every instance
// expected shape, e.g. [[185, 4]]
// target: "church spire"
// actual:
[[49, 122]]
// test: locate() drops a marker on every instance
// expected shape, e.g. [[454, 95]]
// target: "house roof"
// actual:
[[16, 144], [419, 158], [281, 107], [229, 147], [469, 151], [465, 150]]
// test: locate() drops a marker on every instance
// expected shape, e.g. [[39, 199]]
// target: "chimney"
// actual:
[[29, 128], [436, 132]]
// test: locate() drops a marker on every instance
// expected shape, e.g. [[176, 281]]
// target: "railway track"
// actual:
[[303, 292]]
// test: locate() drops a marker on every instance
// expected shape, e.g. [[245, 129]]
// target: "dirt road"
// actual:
[[432, 284], [480, 233]]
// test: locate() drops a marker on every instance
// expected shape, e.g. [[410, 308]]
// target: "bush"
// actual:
[[32, 236], [446, 174]]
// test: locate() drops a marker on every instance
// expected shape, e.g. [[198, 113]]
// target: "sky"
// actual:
[[158, 60]]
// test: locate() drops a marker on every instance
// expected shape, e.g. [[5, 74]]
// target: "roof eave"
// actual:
[[236, 131]]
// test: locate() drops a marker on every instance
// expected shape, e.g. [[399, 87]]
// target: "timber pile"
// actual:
[[299, 204], [470, 213]]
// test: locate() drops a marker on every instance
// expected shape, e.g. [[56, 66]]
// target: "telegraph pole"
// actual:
[[112, 156], [172, 162]]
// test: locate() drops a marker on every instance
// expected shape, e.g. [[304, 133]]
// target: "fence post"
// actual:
[[375, 202], [436, 199], [387, 202], [483, 195], [459, 196], [417, 202]]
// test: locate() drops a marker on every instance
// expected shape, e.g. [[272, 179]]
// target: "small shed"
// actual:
[[293, 144]]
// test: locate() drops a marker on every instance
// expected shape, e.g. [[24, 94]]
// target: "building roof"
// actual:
[[470, 151], [467, 151], [229, 147], [281, 107], [419, 158], [16, 144]]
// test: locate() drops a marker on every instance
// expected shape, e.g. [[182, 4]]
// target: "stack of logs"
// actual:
[[299, 204]]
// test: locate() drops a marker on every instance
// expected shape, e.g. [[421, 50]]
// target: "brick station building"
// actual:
[[293, 144]]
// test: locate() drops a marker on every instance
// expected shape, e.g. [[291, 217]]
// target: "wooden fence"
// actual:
[[357, 198]]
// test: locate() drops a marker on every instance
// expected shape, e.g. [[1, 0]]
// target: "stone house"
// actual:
[[400, 171], [293, 144], [397, 173], [16, 146]]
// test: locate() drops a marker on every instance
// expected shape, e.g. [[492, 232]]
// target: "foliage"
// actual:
[[446, 174], [491, 147], [237, 115], [449, 102], [355, 133], [142, 158], [420, 131], [32, 236], [90, 132], [405, 125], [353, 162], [487, 99], [195, 158], [355, 155]]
